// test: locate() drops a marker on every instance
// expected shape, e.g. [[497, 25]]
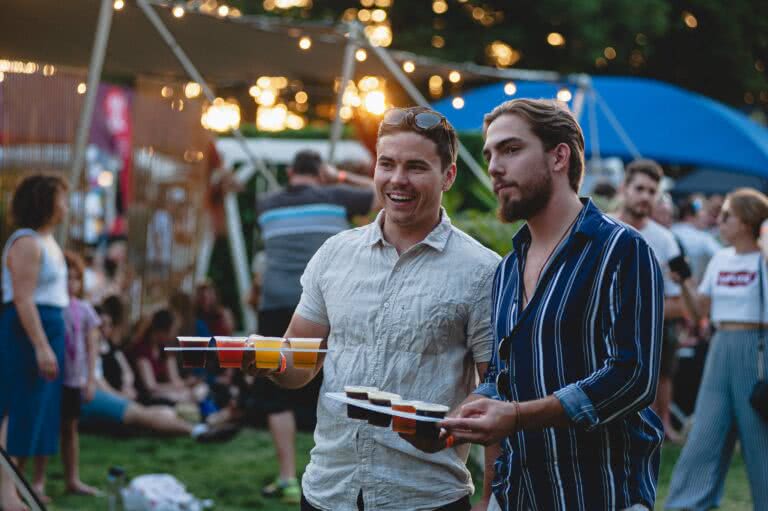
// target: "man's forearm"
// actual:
[[293, 378], [492, 452], [542, 413]]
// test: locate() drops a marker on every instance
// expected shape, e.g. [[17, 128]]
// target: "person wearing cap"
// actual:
[[577, 316], [405, 305]]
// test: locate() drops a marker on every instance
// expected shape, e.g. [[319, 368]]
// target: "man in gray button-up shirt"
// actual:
[[405, 305]]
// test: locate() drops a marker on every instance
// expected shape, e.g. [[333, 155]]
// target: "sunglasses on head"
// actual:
[[422, 120]]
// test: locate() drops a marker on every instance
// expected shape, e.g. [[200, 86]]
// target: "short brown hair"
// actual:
[[553, 124], [443, 135], [33, 201], [750, 206], [641, 166]]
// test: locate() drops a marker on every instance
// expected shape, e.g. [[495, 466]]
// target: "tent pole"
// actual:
[[234, 225], [594, 130], [242, 271], [347, 70], [195, 76], [616, 125], [205, 249], [100, 41], [412, 91]]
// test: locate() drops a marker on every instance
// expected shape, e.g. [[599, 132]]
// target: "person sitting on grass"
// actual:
[[159, 381], [114, 400]]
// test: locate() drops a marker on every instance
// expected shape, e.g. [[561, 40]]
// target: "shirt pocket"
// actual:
[[438, 329]]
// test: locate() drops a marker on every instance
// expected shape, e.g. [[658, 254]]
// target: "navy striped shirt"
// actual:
[[591, 335]]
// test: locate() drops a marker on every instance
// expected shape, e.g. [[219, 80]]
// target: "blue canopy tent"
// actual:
[[634, 117]]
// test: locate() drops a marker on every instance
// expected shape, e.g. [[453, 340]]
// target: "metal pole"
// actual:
[[100, 40], [594, 130], [347, 70], [237, 248], [234, 226], [205, 249], [412, 91], [195, 76], [18, 478]]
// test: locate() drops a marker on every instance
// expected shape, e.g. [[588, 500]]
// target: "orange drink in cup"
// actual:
[[305, 359], [230, 357], [267, 359], [401, 424]]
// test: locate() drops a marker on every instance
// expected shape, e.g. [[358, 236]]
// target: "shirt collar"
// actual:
[[437, 238], [586, 225]]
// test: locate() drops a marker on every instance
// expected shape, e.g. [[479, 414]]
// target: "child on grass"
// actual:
[[82, 324]]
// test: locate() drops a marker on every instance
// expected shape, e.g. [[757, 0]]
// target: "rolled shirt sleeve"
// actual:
[[312, 303], [479, 331], [487, 387], [628, 378]]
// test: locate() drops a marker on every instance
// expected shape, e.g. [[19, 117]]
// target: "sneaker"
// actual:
[[219, 433], [288, 491]]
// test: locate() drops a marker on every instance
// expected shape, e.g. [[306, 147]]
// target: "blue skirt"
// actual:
[[32, 403]]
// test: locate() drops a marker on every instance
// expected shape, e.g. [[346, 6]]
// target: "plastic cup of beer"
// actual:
[[193, 358], [267, 359], [361, 394], [381, 398], [401, 424], [230, 358], [429, 429], [305, 359]]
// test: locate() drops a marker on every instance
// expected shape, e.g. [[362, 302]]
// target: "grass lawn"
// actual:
[[232, 474]]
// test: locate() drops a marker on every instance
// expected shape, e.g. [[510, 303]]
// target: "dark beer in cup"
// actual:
[[193, 358], [361, 394], [381, 399], [429, 429]]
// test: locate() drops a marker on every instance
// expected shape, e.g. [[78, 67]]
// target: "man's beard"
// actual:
[[638, 212], [534, 197]]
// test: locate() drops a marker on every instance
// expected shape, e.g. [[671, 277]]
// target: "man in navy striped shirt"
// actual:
[[577, 317]]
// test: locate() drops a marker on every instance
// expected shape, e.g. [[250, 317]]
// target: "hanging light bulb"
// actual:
[[221, 116]]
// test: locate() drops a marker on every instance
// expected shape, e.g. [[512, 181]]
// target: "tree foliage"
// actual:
[[710, 46]]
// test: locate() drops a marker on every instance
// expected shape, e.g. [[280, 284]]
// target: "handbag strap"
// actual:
[[761, 346]]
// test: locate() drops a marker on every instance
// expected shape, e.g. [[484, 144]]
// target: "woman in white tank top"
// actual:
[[34, 295]]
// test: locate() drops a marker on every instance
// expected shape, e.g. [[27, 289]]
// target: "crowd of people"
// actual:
[[70, 360], [564, 358]]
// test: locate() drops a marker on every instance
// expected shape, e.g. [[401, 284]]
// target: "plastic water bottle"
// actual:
[[115, 485]]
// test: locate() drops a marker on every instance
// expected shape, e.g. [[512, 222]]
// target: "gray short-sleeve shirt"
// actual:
[[415, 324]]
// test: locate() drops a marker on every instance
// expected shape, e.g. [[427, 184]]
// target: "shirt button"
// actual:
[[386, 305]]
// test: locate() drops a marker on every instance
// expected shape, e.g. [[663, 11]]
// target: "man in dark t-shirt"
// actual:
[[319, 202]]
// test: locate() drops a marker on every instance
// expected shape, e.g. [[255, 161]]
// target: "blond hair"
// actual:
[[750, 206]]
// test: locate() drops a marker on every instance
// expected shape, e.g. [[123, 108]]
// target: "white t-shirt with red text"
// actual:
[[731, 281]]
